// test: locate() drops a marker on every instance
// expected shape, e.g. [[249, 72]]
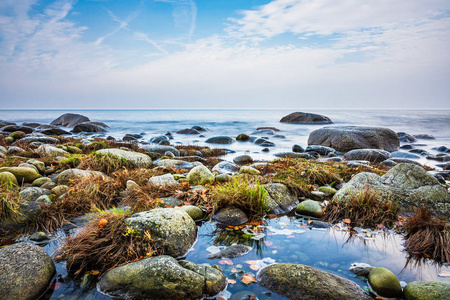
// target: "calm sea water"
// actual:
[[234, 122]]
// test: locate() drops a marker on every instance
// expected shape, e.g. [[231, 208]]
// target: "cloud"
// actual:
[[184, 14]]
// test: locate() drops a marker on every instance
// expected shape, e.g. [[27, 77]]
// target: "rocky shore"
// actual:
[[139, 205]]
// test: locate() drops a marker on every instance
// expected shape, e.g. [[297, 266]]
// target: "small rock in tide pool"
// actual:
[[361, 269], [231, 252], [385, 283], [39, 236]]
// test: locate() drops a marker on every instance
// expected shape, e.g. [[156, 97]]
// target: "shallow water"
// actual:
[[286, 239]]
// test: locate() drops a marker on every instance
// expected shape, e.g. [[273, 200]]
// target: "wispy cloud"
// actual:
[[184, 15]]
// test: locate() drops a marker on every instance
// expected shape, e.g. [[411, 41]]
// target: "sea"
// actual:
[[232, 122]]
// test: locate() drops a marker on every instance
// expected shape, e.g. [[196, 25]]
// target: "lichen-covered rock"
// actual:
[[427, 290], [50, 150], [372, 155], [346, 138], [26, 175], [163, 180], [162, 277], [67, 175], [172, 229], [40, 181], [161, 149], [40, 166], [225, 167], [279, 199], [25, 271], [193, 211], [310, 208], [140, 160], [8, 178], [406, 184], [248, 170], [306, 283], [327, 190], [32, 193], [231, 216], [385, 283], [200, 175]]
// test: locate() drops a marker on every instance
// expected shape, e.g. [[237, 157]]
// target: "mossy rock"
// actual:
[[59, 190], [40, 166], [50, 150], [310, 208], [139, 160], [17, 135], [193, 211], [249, 170], [242, 137], [385, 283], [327, 190], [74, 150], [40, 181], [8, 178], [200, 175], [427, 290], [22, 174], [279, 199]]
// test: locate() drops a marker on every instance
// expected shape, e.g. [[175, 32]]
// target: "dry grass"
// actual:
[[104, 162], [363, 209], [105, 243], [9, 202], [191, 150], [428, 236]]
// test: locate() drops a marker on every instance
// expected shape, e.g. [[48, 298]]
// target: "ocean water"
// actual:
[[233, 122]]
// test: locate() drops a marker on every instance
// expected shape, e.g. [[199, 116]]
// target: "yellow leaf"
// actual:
[[254, 267], [347, 221]]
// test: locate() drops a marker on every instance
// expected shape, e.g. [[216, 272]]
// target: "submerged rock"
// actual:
[[427, 290], [161, 149], [25, 271], [231, 252], [171, 229], [225, 167], [162, 277], [372, 155], [140, 160], [306, 283], [305, 118], [346, 138]]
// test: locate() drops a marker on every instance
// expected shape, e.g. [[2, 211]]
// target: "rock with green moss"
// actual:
[[8, 178], [50, 150], [26, 270], [25, 175], [242, 137], [40, 166], [307, 283], [279, 199], [193, 211], [74, 150], [223, 177], [40, 181], [385, 283], [406, 184], [17, 135], [427, 290], [171, 229], [139, 160], [310, 207], [327, 190], [249, 170], [200, 175], [162, 277], [67, 175]]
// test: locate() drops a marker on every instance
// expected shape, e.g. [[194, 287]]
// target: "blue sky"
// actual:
[[225, 54]]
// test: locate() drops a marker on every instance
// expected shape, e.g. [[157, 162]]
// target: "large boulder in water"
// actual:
[[305, 118], [69, 120], [140, 160], [25, 271], [406, 184], [346, 138], [162, 277], [171, 229], [306, 283]]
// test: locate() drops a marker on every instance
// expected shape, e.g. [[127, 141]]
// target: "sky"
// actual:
[[323, 54]]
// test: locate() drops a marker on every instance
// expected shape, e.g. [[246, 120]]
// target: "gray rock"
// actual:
[[174, 163], [13, 150], [140, 160], [424, 136], [66, 176], [162, 277], [298, 149], [322, 150], [163, 180], [279, 199], [427, 290], [188, 131], [41, 139], [50, 150], [231, 216], [26, 270], [88, 127], [372, 155], [361, 269], [200, 175], [293, 155], [193, 211], [401, 154], [310, 208], [406, 184], [225, 167], [220, 140], [264, 142], [172, 229], [306, 283], [55, 131], [231, 252], [346, 138], [405, 137], [385, 283], [40, 166], [159, 139], [161, 149], [32, 193], [69, 120], [12, 128], [264, 132], [305, 118], [243, 159]]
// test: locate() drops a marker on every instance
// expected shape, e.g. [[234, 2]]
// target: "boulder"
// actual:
[[172, 229], [193, 211], [161, 149], [26, 175], [297, 281], [67, 175], [231, 216], [8, 178], [298, 149], [200, 175], [162, 277], [40, 166], [407, 184], [310, 207], [279, 199], [50, 150], [427, 290], [55, 131], [405, 137], [139, 160], [32, 193], [385, 283], [12, 128], [305, 118], [372, 155], [41, 139], [69, 120], [346, 138], [163, 180], [220, 140], [26, 270], [88, 127]]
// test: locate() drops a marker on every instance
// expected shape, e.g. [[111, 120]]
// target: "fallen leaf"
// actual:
[[231, 281], [380, 226], [254, 267], [444, 274], [250, 262], [303, 226], [93, 272], [346, 221], [234, 270], [247, 279], [54, 286], [225, 261], [102, 222], [268, 243]]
